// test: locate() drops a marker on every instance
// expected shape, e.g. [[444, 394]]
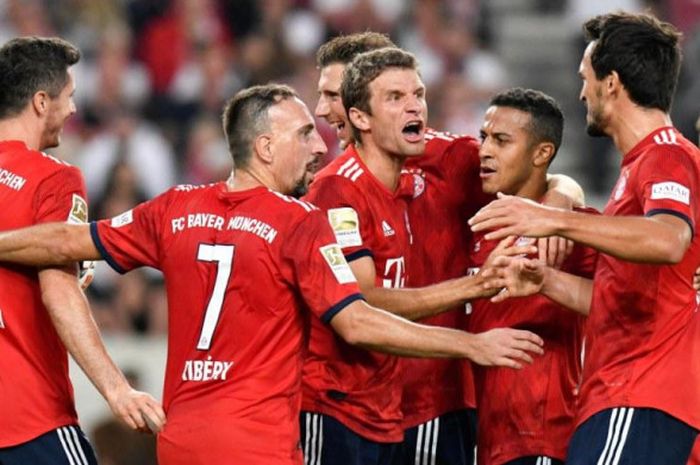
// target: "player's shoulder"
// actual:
[[290, 205], [670, 143], [347, 168], [48, 165]]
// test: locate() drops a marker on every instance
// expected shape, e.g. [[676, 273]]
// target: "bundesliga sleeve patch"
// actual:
[[670, 191], [122, 220], [78, 211], [336, 261], [346, 226]]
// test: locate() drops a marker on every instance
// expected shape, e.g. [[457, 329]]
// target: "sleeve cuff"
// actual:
[[335, 309], [358, 254], [103, 251], [677, 214]]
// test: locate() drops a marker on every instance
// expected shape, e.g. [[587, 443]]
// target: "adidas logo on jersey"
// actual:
[[667, 136], [388, 230]]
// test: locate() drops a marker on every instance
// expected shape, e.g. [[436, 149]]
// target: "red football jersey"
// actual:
[[239, 269], [643, 337], [531, 411], [35, 393], [447, 193], [360, 388]]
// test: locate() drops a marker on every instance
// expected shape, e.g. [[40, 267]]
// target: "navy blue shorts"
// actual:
[[66, 445], [535, 460], [631, 436], [446, 440], [326, 441]]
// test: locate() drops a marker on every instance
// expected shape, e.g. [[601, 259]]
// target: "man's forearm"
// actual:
[[48, 244], [573, 292]]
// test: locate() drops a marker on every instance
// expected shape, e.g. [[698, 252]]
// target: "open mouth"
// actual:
[[413, 131], [485, 171]]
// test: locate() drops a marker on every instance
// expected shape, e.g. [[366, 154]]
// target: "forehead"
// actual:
[[585, 65], [331, 77], [505, 120], [396, 79], [289, 114]]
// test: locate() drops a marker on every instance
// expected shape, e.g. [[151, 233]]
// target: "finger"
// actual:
[[504, 294], [552, 250], [519, 250], [499, 233], [542, 248], [521, 355], [528, 336], [490, 222], [152, 421], [508, 363]]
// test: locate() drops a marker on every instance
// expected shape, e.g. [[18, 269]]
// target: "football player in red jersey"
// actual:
[[44, 312], [640, 396], [526, 418], [241, 262], [446, 192]]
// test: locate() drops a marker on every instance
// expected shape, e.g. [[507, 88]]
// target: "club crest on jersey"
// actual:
[[621, 185], [78, 211], [670, 191], [387, 229], [122, 220], [346, 226], [336, 261]]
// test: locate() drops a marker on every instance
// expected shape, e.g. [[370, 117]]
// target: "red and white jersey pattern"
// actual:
[[35, 392], [531, 411], [643, 333], [447, 193], [240, 270], [360, 388]]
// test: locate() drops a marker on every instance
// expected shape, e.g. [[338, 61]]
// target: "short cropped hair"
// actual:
[[644, 51], [343, 49], [364, 69], [32, 64], [245, 117], [546, 119]]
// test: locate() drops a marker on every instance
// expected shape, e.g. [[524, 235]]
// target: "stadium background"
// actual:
[[155, 74]]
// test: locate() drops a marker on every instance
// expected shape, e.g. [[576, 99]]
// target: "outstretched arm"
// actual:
[[374, 329], [70, 314], [661, 238], [48, 244]]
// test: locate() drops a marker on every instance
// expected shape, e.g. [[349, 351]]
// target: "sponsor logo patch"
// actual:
[[671, 191], [78, 211], [336, 261], [122, 220], [346, 226]]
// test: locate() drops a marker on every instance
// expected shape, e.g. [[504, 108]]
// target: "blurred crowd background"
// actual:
[[155, 74]]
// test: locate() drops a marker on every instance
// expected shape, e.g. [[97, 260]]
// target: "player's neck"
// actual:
[[631, 125], [534, 188], [20, 128], [245, 178], [384, 166]]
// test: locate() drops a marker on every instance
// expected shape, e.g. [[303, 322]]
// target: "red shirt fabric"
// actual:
[[531, 411], [36, 395], [643, 337], [447, 193], [359, 388], [241, 268]]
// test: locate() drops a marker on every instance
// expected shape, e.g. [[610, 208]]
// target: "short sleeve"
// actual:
[[667, 182], [132, 239], [323, 275], [346, 215], [61, 197]]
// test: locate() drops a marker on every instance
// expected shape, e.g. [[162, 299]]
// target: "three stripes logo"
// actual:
[[351, 169], [666, 137]]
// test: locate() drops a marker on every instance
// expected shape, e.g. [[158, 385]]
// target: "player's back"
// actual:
[[35, 393], [235, 323]]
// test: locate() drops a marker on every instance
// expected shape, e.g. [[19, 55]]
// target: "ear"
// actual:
[[40, 103], [262, 148], [359, 119], [544, 151], [613, 85]]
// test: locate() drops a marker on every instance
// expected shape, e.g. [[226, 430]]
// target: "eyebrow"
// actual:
[[307, 128]]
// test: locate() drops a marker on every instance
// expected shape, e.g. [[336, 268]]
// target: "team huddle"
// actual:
[[426, 298]]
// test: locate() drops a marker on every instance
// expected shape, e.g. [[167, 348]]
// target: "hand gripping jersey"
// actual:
[[360, 388], [240, 270], [447, 193], [35, 393], [531, 411], [643, 335]]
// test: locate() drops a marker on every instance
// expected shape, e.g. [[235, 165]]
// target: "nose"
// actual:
[[322, 108], [318, 147], [581, 95]]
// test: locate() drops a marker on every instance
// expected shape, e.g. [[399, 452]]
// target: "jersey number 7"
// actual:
[[222, 255]]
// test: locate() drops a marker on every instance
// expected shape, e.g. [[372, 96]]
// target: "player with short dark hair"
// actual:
[[528, 417], [44, 312], [242, 263], [640, 395]]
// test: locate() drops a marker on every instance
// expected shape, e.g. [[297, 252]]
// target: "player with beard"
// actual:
[[242, 263], [44, 312], [643, 330], [437, 405]]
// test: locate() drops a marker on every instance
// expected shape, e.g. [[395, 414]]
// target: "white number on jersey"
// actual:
[[223, 256]]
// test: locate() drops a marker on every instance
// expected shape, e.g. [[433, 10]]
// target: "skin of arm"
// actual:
[[374, 329], [660, 239], [48, 244], [562, 192], [418, 303]]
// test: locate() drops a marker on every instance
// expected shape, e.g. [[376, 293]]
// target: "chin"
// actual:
[[594, 130]]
